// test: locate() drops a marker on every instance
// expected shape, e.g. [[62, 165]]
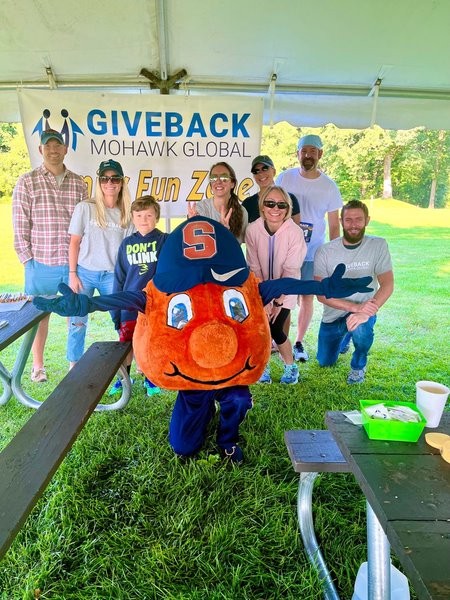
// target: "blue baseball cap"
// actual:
[[51, 134], [110, 165], [200, 250], [310, 140]]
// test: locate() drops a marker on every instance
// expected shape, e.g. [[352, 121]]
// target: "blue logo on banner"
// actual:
[[70, 130]]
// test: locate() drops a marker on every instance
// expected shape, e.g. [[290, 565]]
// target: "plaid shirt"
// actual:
[[41, 215]]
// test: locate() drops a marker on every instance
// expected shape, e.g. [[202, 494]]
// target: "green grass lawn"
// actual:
[[123, 519]]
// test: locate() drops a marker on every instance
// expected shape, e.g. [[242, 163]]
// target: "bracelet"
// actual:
[[72, 271], [277, 304]]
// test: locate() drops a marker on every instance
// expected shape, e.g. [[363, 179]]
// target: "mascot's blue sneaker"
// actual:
[[290, 374], [233, 454], [265, 377], [151, 388]]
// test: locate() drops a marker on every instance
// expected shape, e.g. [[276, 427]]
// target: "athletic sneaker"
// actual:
[[151, 388], [300, 353], [233, 454], [356, 376], [117, 387], [38, 375], [265, 377], [290, 374]]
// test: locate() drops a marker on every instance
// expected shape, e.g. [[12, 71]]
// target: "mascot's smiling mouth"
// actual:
[[178, 373]]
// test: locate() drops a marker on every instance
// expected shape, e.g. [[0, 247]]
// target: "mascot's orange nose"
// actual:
[[213, 345]]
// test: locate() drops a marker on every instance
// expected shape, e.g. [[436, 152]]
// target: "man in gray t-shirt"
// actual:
[[362, 255]]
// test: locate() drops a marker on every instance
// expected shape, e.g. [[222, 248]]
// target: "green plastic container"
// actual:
[[379, 429]]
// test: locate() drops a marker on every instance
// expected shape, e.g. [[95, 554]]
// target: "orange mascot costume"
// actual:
[[202, 329]]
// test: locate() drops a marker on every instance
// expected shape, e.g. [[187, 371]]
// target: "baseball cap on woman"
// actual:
[[110, 165]]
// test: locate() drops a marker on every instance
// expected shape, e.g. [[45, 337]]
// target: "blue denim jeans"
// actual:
[[102, 281], [331, 336]]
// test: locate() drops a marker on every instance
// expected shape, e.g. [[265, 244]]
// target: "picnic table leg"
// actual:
[[19, 366], [378, 559], [125, 396], [5, 378], [306, 525]]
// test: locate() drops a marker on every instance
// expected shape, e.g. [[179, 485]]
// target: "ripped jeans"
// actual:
[[102, 281]]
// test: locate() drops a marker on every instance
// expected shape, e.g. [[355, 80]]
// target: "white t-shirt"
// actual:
[[371, 257], [98, 248], [316, 197]]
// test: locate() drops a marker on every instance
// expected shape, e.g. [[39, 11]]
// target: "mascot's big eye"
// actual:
[[235, 305], [179, 311]]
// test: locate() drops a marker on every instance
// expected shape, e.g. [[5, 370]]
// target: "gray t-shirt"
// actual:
[[371, 257], [99, 246], [206, 208]]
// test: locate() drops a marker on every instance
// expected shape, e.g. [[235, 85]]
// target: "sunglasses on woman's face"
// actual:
[[223, 178], [272, 204], [255, 171], [113, 179]]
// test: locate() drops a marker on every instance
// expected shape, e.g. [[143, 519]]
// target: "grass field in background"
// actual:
[[123, 519]]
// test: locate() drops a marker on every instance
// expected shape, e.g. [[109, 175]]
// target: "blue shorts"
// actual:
[[307, 270], [43, 280]]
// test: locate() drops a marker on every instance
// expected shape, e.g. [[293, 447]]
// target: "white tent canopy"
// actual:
[[350, 62]]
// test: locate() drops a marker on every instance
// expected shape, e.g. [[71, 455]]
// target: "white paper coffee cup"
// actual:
[[430, 399]]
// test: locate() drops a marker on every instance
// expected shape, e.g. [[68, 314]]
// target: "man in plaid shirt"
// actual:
[[43, 202]]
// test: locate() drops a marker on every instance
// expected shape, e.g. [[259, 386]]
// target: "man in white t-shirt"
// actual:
[[362, 255], [319, 200]]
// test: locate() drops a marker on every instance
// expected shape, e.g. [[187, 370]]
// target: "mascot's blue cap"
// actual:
[[200, 250]]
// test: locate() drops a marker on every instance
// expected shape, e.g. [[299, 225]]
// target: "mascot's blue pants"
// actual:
[[193, 411]]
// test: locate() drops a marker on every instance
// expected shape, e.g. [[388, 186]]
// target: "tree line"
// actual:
[[409, 165]]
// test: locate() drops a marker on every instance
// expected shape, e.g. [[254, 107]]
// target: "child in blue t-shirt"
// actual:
[[135, 267]]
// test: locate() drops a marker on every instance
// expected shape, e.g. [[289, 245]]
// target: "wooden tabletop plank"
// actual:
[[19, 321], [419, 543]]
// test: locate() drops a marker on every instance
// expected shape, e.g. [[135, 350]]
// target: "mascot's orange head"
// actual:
[[204, 325]]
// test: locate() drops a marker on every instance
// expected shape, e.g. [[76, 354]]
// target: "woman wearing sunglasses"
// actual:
[[96, 230], [224, 206], [275, 248]]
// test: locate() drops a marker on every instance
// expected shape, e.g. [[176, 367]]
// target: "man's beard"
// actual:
[[308, 164], [354, 239]]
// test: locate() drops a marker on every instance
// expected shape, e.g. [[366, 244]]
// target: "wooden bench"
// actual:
[[314, 451], [31, 458]]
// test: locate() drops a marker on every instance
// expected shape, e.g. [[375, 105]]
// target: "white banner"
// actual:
[[165, 144]]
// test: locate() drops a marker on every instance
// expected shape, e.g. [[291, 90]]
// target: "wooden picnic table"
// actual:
[[407, 487]]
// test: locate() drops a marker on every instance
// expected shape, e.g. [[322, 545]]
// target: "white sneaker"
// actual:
[[299, 352]]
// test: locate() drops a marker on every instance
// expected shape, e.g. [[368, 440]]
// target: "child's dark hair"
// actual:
[[145, 202]]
